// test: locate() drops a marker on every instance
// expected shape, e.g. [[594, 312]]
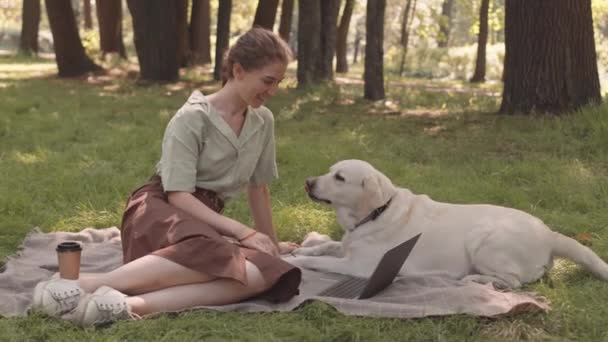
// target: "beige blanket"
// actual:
[[407, 297]]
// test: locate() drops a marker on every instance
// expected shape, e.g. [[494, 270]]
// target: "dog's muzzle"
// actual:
[[309, 187]]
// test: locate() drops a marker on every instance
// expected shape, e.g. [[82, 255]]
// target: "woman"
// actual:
[[179, 250]]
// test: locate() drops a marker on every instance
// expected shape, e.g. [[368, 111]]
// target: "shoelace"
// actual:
[[110, 312], [67, 300]]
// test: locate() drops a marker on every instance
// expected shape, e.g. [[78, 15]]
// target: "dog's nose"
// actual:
[[309, 184]]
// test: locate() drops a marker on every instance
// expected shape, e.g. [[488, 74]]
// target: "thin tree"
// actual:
[[109, 19], [374, 53], [329, 29], [88, 20], [30, 20], [200, 21], [69, 53], [309, 40], [155, 35], [482, 39], [183, 39], [223, 35], [406, 27], [358, 39], [445, 23], [286, 18], [266, 13], [341, 62], [550, 57]]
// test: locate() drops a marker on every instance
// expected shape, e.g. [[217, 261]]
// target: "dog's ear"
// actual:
[[377, 190]]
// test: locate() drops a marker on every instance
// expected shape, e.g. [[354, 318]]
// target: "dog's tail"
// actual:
[[569, 248]]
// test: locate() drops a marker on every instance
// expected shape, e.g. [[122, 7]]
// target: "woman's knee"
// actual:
[[255, 279]]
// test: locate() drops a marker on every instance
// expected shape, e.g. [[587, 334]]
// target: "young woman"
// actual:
[[179, 250]]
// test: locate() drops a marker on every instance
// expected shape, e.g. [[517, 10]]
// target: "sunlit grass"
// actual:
[[72, 151]]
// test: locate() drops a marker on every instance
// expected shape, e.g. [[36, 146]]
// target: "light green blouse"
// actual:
[[200, 149]]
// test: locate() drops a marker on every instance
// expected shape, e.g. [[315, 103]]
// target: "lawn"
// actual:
[[72, 150]]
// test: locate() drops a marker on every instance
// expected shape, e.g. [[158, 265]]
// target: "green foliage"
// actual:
[[90, 42], [72, 152], [428, 62]]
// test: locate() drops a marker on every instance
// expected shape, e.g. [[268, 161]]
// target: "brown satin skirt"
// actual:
[[150, 225]]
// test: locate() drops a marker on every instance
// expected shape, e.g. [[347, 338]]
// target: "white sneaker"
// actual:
[[103, 306], [56, 297]]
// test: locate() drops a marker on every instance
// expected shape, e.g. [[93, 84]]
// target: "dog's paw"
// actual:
[[314, 238], [311, 251]]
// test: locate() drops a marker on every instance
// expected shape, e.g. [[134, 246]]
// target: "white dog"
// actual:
[[482, 243]]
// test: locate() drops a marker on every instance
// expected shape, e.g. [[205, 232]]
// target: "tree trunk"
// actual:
[[223, 35], [445, 24], [406, 25], [286, 16], [329, 28], [341, 63], [69, 52], [550, 58], [374, 53], [88, 21], [200, 32], [309, 39], [109, 18], [482, 39], [183, 39], [358, 38], [266, 13], [30, 19], [155, 36]]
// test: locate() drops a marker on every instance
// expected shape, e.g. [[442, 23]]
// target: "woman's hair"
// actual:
[[254, 50]]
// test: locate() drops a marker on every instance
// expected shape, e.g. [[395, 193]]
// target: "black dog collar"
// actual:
[[374, 214]]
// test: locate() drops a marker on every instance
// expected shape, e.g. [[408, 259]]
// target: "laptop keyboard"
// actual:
[[347, 288]]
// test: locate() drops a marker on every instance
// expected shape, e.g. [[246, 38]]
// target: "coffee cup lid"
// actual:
[[68, 246]]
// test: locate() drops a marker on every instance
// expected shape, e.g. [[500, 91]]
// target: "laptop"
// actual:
[[384, 274]]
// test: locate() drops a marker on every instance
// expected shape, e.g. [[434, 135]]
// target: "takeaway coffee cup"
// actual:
[[68, 255]]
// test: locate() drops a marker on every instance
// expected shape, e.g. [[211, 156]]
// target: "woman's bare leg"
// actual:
[[214, 292], [148, 273]]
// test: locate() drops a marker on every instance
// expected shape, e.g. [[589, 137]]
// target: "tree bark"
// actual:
[[374, 52], [266, 13], [109, 18], [30, 20], [358, 38], [223, 36], [445, 24], [406, 25], [183, 39], [69, 52], [155, 36], [88, 20], [200, 32], [286, 17], [329, 29], [550, 57], [309, 39], [341, 62], [482, 39]]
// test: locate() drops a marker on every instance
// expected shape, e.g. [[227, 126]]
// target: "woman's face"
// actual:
[[257, 86]]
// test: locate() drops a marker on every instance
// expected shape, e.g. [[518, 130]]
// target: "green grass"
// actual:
[[72, 150]]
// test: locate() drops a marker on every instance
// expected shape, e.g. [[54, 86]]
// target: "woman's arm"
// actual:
[[260, 206], [224, 225]]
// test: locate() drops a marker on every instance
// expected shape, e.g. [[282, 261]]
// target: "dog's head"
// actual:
[[353, 187]]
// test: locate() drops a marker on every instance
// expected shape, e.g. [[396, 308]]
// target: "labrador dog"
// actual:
[[482, 243]]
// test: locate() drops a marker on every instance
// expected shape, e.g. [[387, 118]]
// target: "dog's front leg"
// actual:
[[326, 264], [330, 248]]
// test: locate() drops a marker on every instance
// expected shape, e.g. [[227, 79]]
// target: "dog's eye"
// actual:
[[339, 177]]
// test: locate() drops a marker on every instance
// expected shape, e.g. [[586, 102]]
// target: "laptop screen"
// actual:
[[388, 267]]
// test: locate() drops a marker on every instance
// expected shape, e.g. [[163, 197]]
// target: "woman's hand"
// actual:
[[260, 242], [286, 247]]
